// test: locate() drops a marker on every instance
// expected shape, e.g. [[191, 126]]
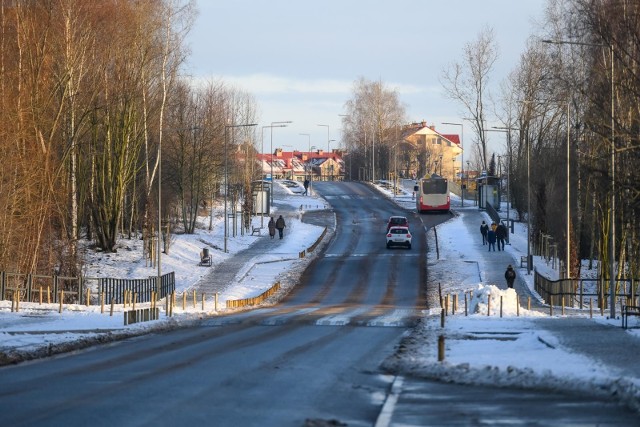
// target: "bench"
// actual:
[[255, 230], [629, 310]]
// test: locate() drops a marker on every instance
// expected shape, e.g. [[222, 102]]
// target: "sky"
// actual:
[[535, 358], [300, 59]]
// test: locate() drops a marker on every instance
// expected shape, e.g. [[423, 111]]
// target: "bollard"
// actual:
[[61, 299], [562, 303], [466, 310], [194, 298], [517, 306], [489, 305], [88, 297], [590, 308], [529, 303], [48, 294], [455, 304], [184, 301], [112, 302], [500, 305], [441, 348], [440, 293], [203, 301], [101, 302], [446, 305], [442, 317]]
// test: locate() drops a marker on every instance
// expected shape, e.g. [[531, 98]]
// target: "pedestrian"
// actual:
[[280, 225], [483, 230], [501, 235], [272, 227], [306, 187], [491, 239], [510, 275], [493, 226]]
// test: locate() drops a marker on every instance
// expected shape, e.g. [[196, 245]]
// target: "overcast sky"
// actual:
[[299, 59]]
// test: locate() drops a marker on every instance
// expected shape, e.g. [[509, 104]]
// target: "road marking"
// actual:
[[384, 418]]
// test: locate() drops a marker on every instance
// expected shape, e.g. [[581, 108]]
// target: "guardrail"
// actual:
[[237, 303]]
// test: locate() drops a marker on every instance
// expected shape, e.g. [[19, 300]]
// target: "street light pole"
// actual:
[[226, 179], [308, 157], [612, 221], [461, 157], [284, 123], [328, 142]]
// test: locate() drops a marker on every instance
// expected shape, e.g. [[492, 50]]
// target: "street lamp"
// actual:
[[308, 156], [612, 232], [461, 156], [262, 172], [226, 178], [328, 141], [284, 124], [508, 130]]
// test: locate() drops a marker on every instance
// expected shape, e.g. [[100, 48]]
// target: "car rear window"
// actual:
[[399, 231]]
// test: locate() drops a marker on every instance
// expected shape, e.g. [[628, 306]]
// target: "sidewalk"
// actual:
[[226, 274]]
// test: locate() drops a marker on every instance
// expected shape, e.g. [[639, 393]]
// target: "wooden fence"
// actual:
[[35, 288]]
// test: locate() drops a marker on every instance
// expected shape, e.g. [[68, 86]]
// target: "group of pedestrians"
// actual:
[[278, 224], [497, 233]]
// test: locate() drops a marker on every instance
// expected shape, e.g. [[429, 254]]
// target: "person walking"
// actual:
[[483, 230], [306, 187], [280, 225], [501, 235], [510, 276], [491, 239], [272, 227]]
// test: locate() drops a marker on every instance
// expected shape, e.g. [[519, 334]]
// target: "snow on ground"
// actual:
[[510, 350]]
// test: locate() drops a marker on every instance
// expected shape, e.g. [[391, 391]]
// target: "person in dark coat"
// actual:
[[272, 227], [306, 187], [501, 235], [483, 230], [491, 239], [510, 276], [280, 225]]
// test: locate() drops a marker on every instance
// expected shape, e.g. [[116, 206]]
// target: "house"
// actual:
[[437, 153], [298, 165]]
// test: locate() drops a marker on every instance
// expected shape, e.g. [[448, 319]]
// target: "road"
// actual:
[[311, 360]]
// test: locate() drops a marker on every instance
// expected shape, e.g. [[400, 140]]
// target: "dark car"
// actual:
[[397, 221]]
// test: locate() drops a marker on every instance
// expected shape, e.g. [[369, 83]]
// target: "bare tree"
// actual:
[[468, 83]]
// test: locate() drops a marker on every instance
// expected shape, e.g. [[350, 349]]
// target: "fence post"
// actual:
[[500, 305], [489, 305], [61, 301], [440, 348]]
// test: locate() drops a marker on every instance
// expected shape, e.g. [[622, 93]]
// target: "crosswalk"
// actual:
[[322, 316]]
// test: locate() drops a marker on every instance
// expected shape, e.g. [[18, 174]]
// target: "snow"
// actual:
[[488, 346]]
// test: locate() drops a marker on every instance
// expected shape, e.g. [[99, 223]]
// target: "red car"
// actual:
[[397, 221]]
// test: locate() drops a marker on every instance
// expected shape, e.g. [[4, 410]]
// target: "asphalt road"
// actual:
[[311, 360]]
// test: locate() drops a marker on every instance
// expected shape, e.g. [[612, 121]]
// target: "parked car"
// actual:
[[399, 221], [399, 236]]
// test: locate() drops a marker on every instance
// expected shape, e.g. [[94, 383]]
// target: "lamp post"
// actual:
[[508, 130], [612, 222], [262, 174], [226, 178], [284, 124], [328, 141], [461, 156], [308, 152]]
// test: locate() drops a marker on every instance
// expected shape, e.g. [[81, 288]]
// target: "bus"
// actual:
[[433, 195]]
